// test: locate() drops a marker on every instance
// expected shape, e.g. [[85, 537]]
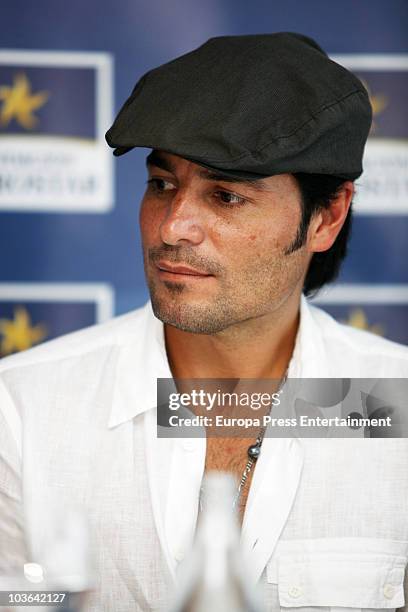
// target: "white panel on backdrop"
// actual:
[[101, 294], [383, 187], [368, 294], [54, 110]]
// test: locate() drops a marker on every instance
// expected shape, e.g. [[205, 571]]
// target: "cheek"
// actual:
[[266, 240], [148, 221]]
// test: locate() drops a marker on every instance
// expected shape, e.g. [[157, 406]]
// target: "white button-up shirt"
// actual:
[[326, 521]]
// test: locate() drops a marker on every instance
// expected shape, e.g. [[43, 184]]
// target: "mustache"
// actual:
[[183, 255]]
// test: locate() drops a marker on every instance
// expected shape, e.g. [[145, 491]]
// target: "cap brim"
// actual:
[[121, 150], [239, 175]]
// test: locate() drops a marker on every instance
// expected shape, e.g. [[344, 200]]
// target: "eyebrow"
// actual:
[[156, 159]]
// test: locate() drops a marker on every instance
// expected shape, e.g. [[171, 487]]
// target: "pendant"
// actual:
[[254, 451]]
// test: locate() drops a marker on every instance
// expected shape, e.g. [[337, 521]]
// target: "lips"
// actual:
[[177, 269]]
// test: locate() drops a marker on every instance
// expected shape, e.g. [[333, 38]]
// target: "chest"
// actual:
[[231, 455]]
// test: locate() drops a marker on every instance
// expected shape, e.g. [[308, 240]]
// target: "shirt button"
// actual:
[[388, 591], [294, 592], [179, 554]]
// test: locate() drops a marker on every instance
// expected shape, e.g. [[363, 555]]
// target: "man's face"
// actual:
[[215, 251]]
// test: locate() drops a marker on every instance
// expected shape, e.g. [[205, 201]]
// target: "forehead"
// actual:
[[173, 163]]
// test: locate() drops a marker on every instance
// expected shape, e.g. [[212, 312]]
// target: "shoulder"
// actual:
[[375, 355], [117, 331]]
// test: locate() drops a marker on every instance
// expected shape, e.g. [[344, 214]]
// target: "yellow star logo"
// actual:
[[19, 334], [379, 103], [20, 104], [358, 319]]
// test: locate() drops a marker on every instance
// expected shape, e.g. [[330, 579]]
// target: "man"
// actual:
[[256, 142]]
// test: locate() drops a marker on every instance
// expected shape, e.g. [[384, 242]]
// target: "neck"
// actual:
[[258, 348]]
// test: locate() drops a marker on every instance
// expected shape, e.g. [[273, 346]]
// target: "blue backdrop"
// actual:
[[89, 238]]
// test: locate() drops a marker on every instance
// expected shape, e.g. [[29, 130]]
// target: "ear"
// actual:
[[326, 224]]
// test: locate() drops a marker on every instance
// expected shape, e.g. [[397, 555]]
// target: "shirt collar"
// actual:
[[143, 359], [309, 358]]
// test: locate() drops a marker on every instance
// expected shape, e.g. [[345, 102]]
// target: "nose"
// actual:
[[183, 221]]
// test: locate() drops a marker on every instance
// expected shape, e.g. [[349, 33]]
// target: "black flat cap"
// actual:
[[251, 106]]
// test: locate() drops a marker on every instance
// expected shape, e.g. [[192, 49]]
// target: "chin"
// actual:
[[192, 318]]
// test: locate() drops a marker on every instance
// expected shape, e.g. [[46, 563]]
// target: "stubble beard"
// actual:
[[172, 302], [194, 318], [249, 296]]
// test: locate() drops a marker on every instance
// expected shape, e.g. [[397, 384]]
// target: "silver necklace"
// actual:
[[253, 453]]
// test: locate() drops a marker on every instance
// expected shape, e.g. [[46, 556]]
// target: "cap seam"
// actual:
[[322, 109]]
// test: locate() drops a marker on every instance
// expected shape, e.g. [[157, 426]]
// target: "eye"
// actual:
[[228, 199], [160, 185]]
